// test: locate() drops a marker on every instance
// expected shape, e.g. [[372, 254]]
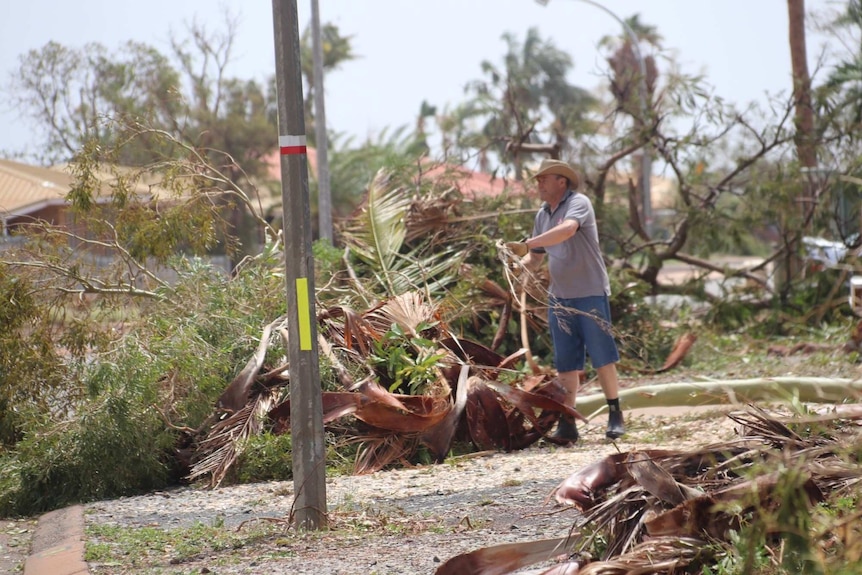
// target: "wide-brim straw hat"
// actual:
[[550, 167]]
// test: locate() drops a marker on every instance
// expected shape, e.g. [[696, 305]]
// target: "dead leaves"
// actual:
[[660, 511]]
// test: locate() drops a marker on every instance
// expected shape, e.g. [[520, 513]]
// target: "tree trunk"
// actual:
[[805, 135], [790, 266]]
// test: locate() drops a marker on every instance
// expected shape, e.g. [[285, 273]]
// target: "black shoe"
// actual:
[[567, 431], [616, 427]]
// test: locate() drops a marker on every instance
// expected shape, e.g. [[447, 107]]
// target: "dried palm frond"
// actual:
[[472, 352], [505, 558], [223, 444], [345, 327], [422, 412], [655, 510], [620, 518], [438, 438], [376, 406], [707, 514], [582, 488], [659, 555], [344, 375], [411, 311], [479, 358], [378, 451], [657, 481], [757, 423], [494, 415], [486, 418], [235, 396], [429, 215], [527, 401]]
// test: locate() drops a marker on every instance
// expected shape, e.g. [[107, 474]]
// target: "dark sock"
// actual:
[[614, 404]]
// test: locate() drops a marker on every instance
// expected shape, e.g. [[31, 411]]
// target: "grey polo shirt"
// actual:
[[576, 265]]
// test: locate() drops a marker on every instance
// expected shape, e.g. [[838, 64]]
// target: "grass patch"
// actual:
[[150, 548]]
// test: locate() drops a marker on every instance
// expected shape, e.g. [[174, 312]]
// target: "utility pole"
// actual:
[[324, 194], [306, 409]]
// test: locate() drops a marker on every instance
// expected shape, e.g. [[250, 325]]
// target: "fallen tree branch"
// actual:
[[730, 392], [236, 395], [525, 337]]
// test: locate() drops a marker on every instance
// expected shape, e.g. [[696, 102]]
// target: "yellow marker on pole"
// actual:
[[302, 308]]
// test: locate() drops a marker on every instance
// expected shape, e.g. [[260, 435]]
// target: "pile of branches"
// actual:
[[469, 393], [464, 400], [785, 493]]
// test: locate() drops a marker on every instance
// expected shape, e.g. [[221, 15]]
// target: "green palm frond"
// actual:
[[377, 236], [430, 274], [387, 206]]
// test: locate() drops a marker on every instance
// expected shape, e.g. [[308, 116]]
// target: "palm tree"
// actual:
[[804, 138], [630, 75], [337, 50], [844, 84], [626, 74], [806, 149]]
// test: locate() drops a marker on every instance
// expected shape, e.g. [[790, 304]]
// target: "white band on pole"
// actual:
[[292, 145]]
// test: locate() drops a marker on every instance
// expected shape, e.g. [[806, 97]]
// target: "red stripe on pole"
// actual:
[[289, 150], [291, 144]]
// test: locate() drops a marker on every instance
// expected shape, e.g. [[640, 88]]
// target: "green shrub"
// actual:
[[114, 447], [31, 372], [638, 328], [266, 457], [116, 432]]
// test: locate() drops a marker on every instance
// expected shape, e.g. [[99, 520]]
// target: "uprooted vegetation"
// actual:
[[124, 373]]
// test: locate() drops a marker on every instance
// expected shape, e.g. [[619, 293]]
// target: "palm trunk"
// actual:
[[729, 392], [805, 138]]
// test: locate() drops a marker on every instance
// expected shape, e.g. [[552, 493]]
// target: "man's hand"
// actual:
[[520, 249]]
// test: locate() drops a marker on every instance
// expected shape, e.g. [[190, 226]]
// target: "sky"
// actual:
[[410, 51]]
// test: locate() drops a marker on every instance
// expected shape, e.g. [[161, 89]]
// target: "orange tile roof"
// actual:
[[471, 184], [25, 188]]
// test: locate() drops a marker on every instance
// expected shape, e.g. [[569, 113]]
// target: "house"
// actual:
[[472, 185], [33, 193], [30, 193]]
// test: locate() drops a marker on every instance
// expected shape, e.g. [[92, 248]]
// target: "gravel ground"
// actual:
[[392, 522], [15, 536]]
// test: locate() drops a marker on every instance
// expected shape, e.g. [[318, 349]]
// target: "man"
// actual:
[[579, 310]]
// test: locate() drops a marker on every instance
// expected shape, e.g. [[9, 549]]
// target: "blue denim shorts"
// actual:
[[581, 326]]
